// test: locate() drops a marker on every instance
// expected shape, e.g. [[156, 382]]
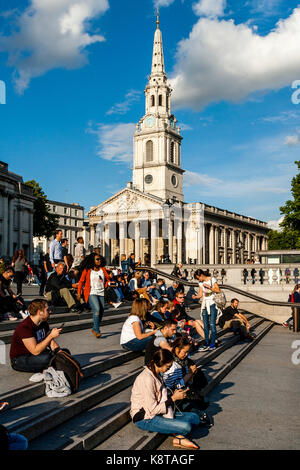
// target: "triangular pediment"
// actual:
[[126, 200]]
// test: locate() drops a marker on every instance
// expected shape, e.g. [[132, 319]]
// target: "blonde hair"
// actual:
[[140, 308]]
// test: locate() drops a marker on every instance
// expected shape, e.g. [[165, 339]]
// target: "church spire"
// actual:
[[158, 63]]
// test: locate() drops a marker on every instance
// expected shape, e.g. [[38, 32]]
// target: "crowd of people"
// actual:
[[159, 323]]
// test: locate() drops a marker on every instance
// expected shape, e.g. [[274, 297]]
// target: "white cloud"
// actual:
[[130, 98], [292, 140], [274, 224], [210, 8], [196, 179], [224, 61], [163, 3], [51, 34], [115, 141], [282, 117]]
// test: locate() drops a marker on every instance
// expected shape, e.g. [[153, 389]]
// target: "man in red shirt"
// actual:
[[33, 342]]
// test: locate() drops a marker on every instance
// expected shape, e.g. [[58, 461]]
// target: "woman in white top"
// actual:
[[207, 287], [133, 337]]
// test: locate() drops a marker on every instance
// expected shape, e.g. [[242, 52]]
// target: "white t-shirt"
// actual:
[[97, 282], [207, 300], [127, 333]]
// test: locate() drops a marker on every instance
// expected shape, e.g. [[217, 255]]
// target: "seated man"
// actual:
[[32, 342], [192, 296], [58, 287], [12, 306], [160, 340], [172, 290], [179, 314], [231, 318]]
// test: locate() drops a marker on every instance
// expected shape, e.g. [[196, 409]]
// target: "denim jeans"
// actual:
[[119, 294], [136, 344], [31, 363], [181, 424], [96, 303], [210, 322], [17, 442]]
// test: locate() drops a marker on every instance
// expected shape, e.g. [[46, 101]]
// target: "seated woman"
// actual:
[[133, 337], [184, 373], [152, 410], [160, 313]]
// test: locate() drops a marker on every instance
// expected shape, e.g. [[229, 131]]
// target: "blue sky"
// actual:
[[75, 72]]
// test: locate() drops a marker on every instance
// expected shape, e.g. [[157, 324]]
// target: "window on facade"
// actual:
[[54, 208], [160, 100], [66, 220], [65, 210], [75, 223], [76, 213], [149, 151], [172, 152], [152, 100]]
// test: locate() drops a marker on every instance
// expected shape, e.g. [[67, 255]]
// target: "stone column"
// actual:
[[225, 245], [211, 245], [216, 241], [107, 245], [179, 242], [233, 247], [11, 207], [171, 239], [137, 237], [30, 243], [248, 246], [122, 238], [153, 241]]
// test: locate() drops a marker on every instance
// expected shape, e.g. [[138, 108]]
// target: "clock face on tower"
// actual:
[[150, 121]]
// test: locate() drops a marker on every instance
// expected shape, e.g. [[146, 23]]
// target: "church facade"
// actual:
[[149, 217]]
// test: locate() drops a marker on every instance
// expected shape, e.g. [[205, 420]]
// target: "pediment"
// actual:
[[126, 201]]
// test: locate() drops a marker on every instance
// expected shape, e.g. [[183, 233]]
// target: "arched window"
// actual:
[[160, 100], [172, 152], [152, 100], [149, 151]]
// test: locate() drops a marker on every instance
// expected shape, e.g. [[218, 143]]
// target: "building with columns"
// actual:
[[149, 217], [16, 214]]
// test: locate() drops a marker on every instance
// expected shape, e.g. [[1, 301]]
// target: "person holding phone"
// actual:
[[32, 342]]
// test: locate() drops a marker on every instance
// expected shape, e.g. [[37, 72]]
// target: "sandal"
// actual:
[[191, 445]]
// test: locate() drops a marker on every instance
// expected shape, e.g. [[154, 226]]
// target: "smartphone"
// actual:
[[62, 325]]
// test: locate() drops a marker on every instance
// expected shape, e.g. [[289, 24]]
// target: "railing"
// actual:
[[230, 288]]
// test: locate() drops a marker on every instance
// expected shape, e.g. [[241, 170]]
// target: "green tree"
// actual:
[[44, 223], [289, 237]]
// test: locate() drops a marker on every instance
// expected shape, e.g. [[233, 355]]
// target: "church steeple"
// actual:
[[157, 149]]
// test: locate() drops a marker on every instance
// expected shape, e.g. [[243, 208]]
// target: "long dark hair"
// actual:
[[159, 359], [200, 272], [180, 343], [89, 261]]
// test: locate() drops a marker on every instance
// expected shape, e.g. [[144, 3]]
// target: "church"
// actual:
[[150, 217]]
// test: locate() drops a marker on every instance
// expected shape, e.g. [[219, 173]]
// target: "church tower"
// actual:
[[157, 140]]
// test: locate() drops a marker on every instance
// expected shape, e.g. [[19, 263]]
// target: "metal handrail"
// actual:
[[222, 286]]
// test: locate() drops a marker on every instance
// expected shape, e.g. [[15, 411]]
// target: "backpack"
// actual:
[[220, 299], [62, 360]]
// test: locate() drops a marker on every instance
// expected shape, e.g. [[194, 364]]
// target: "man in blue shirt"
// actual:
[[56, 252]]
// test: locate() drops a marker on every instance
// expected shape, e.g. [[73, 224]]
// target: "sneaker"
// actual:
[[203, 348], [285, 324], [11, 317], [117, 304], [211, 348], [24, 314]]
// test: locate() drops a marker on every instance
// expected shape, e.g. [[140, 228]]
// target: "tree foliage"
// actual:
[[44, 223], [289, 237]]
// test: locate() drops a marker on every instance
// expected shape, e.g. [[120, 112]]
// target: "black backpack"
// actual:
[[62, 360], [3, 438]]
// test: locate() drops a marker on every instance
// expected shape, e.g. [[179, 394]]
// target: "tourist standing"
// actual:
[[294, 297], [79, 253], [93, 281], [56, 252], [20, 265], [207, 287], [245, 275]]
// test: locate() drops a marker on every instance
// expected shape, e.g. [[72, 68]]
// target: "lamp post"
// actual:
[[241, 246]]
